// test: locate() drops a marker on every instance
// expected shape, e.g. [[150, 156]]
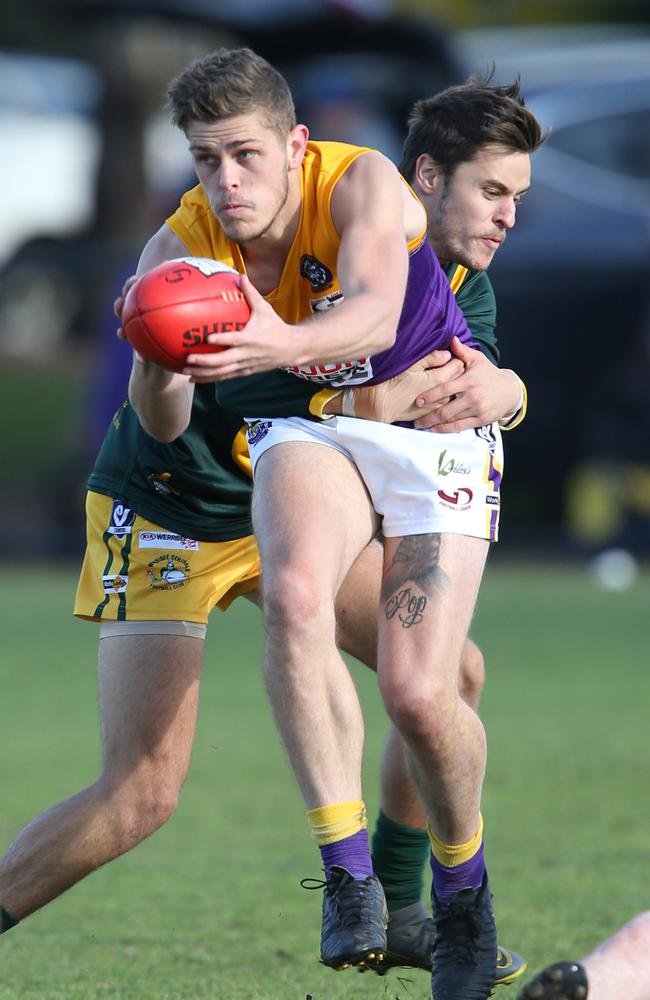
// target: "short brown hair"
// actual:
[[452, 126], [231, 82]]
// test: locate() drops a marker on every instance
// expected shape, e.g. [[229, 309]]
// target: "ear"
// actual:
[[296, 145], [427, 174]]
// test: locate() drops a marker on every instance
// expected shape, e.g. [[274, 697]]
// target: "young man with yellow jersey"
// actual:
[[161, 486], [337, 268]]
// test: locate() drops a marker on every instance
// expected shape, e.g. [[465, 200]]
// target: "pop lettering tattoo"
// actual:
[[413, 574], [410, 605]]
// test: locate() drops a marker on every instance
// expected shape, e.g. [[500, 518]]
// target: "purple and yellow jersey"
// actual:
[[309, 283]]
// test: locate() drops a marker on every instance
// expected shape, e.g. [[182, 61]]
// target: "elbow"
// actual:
[[163, 432]]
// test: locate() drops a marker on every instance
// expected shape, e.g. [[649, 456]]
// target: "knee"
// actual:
[[419, 711], [140, 802], [296, 601], [472, 674]]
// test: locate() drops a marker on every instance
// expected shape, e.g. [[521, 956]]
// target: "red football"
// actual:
[[171, 310]]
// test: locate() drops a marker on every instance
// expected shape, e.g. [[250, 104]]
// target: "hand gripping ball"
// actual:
[[171, 310]]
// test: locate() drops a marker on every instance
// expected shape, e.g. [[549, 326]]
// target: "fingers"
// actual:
[[118, 304]]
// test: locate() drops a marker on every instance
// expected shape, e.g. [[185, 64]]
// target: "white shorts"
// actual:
[[420, 482]]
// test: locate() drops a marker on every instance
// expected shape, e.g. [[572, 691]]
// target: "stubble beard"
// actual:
[[241, 240]]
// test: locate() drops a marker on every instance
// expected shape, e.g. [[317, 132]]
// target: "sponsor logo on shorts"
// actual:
[[115, 583], [448, 465], [166, 540], [168, 572], [122, 520], [258, 431], [458, 500], [493, 500]]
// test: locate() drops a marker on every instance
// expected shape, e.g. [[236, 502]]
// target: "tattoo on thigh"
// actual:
[[415, 562]]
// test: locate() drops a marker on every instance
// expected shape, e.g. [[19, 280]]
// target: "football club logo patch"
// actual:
[[168, 572]]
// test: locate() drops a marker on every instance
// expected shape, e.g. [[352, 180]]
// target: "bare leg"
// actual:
[[428, 596], [309, 534], [148, 693], [619, 968], [357, 607]]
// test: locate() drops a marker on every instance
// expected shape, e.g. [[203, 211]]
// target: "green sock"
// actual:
[[399, 857], [6, 920]]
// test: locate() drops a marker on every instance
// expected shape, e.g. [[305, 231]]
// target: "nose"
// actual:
[[228, 176], [506, 214]]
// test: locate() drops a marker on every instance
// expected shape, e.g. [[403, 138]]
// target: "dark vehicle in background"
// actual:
[[573, 283]]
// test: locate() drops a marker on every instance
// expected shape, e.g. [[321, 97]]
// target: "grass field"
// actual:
[[211, 906]]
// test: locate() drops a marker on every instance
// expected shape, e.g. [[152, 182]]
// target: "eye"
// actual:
[[204, 158], [246, 154]]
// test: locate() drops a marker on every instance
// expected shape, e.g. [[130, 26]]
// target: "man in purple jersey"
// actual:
[[322, 491], [437, 512]]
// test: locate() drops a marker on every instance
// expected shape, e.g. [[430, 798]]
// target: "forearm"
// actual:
[[162, 399], [360, 326]]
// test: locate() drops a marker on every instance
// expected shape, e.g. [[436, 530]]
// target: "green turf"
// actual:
[[211, 907]]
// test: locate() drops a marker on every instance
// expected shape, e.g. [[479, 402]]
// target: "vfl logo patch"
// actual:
[[458, 500], [168, 572], [115, 583], [318, 275], [493, 500], [122, 520], [487, 434], [166, 540]]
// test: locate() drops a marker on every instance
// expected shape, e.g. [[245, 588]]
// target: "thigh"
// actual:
[[135, 570], [429, 592], [310, 509], [357, 605], [424, 482], [148, 697]]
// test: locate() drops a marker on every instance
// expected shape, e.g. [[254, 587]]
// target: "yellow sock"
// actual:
[[331, 823], [451, 855]]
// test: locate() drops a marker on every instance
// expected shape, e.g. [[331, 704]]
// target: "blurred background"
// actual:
[[90, 166]]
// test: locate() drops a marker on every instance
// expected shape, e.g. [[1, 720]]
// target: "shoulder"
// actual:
[[163, 245]]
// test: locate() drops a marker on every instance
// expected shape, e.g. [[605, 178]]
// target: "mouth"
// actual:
[[494, 242], [232, 209]]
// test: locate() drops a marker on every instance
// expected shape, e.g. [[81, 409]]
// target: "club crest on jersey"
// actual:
[[122, 520], [161, 483], [318, 275], [168, 572]]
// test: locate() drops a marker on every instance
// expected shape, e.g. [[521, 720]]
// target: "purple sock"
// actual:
[[351, 853], [448, 881]]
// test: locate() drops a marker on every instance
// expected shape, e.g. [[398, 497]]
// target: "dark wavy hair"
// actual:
[[453, 125]]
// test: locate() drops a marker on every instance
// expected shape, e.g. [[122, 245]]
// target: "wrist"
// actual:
[[515, 416], [348, 408]]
